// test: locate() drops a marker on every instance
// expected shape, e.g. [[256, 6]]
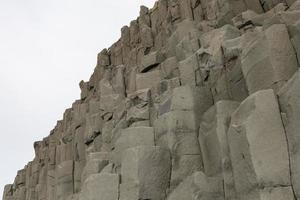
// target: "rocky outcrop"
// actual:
[[198, 99]]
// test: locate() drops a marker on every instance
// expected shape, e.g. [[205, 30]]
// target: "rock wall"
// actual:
[[198, 99]]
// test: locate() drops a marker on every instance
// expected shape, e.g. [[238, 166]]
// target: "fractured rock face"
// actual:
[[214, 143], [258, 147], [198, 186], [145, 173], [268, 59], [166, 113], [101, 186]]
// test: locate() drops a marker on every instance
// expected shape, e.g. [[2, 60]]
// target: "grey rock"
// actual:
[[258, 146], [166, 113], [213, 141], [265, 71], [132, 137], [145, 173], [289, 104], [198, 186], [64, 180], [101, 186]]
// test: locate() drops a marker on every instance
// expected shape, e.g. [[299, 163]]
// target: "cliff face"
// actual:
[[198, 99]]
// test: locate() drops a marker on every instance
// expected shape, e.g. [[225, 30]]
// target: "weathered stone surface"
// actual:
[[169, 68], [132, 137], [198, 186], [147, 80], [166, 113], [213, 140], [258, 146], [101, 186], [94, 165], [8, 193], [145, 173], [64, 180], [151, 61], [268, 58], [289, 97], [183, 166]]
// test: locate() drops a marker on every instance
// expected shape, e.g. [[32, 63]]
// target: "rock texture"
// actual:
[[198, 100]]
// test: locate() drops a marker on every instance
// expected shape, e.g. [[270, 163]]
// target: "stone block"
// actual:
[[132, 137], [169, 68], [93, 166], [198, 186], [214, 143], [188, 68], [175, 120], [258, 146], [147, 80], [64, 152], [151, 61], [197, 99], [145, 173], [269, 60], [103, 186], [64, 180], [185, 48], [184, 166]]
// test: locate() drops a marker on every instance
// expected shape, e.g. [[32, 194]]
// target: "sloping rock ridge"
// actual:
[[198, 100]]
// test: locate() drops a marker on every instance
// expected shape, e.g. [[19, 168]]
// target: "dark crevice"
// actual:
[[207, 75], [147, 69], [92, 138], [247, 23], [262, 4], [288, 150], [147, 51]]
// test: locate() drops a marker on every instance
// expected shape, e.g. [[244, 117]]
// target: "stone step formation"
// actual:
[[198, 100]]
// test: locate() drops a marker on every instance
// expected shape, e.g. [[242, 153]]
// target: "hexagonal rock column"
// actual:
[[145, 173], [258, 149], [214, 144], [188, 98], [102, 186], [177, 129], [289, 99], [131, 137], [268, 58], [64, 180]]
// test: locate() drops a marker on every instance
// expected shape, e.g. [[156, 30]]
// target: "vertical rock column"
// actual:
[[259, 149], [214, 144], [177, 129], [145, 173], [64, 179], [268, 58], [289, 99]]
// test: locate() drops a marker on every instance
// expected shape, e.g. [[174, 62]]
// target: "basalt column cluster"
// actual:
[[198, 100]]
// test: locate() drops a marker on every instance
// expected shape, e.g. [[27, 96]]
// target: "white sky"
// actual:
[[46, 48]]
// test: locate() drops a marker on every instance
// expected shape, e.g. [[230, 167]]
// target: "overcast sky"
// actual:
[[46, 48]]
